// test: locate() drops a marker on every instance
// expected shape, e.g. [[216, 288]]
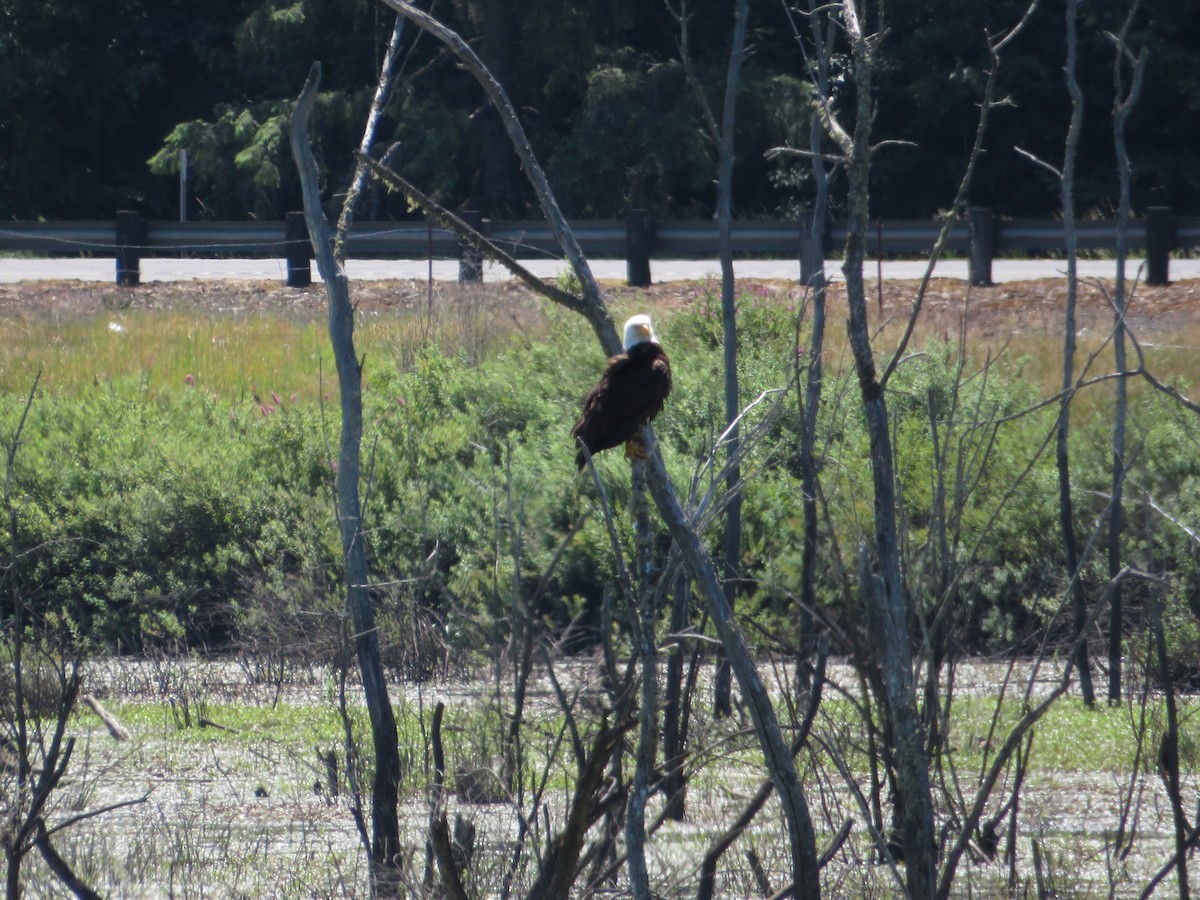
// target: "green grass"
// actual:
[[236, 724], [228, 356], [232, 353], [1072, 737], [470, 733]]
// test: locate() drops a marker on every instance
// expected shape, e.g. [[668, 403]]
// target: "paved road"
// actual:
[[15, 270]]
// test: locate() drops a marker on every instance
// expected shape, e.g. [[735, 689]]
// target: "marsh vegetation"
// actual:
[[236, 796], [177, 503]]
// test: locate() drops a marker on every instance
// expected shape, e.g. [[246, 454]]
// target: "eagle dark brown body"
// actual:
[[631, 392]]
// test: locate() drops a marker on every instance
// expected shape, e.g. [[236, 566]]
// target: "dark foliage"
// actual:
[[90, 92]]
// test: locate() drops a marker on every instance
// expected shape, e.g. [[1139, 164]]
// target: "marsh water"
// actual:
[[227, 792]]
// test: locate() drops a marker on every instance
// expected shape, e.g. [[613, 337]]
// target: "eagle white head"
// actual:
[[638, 330]]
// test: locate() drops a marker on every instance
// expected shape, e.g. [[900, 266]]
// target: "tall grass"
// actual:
[[227, 355], [233, 354], [237, 354]]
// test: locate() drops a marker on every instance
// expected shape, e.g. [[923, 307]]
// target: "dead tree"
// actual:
[[813, 226], [1124, 98], [591, 305], [888, 609], [1062, 454], [882, 586], [385, 825], [722, 134]]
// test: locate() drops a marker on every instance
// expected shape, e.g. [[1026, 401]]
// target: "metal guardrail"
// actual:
[[636, 238]]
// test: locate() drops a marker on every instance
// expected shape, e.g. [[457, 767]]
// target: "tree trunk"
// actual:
[[1122, 106], [813, 249], [775, 750], [1062, 454], [888, 612], [1168, 752], [386, 858], [676, 706], [647, 747], [733, 406]]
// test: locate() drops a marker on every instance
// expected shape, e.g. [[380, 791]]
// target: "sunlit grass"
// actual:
[[1176, 362], [1071, 736], [236, 354], [226, 355], [232, 356], [235, 723]]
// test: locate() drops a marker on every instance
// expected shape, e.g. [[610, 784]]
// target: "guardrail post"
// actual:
[[131, 240], [638, 241], [298, 249], [812, 248], [470, 260], [983, 245], [1160, 238]]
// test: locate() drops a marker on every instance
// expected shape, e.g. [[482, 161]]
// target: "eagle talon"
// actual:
[[635, 448]]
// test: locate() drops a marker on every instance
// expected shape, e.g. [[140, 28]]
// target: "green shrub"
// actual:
[[154, 515]]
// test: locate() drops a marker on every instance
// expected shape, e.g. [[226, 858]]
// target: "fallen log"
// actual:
[[114, 727]]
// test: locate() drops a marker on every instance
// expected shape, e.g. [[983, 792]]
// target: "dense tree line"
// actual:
[[97, 100]]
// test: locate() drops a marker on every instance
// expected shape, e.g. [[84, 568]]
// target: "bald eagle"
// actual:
[[631, 392]]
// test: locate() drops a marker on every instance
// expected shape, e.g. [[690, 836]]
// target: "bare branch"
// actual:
[[382, 90], [776, 152], [893, 142], [60, 867], [386, 837], [597, 312], [960, 197], [1002, 42], [851, 783], [683, 17], [779, 761], [463, 229], [1166, 388], [823, 106], [94, 813], [1038, 161], [1013, 740]]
